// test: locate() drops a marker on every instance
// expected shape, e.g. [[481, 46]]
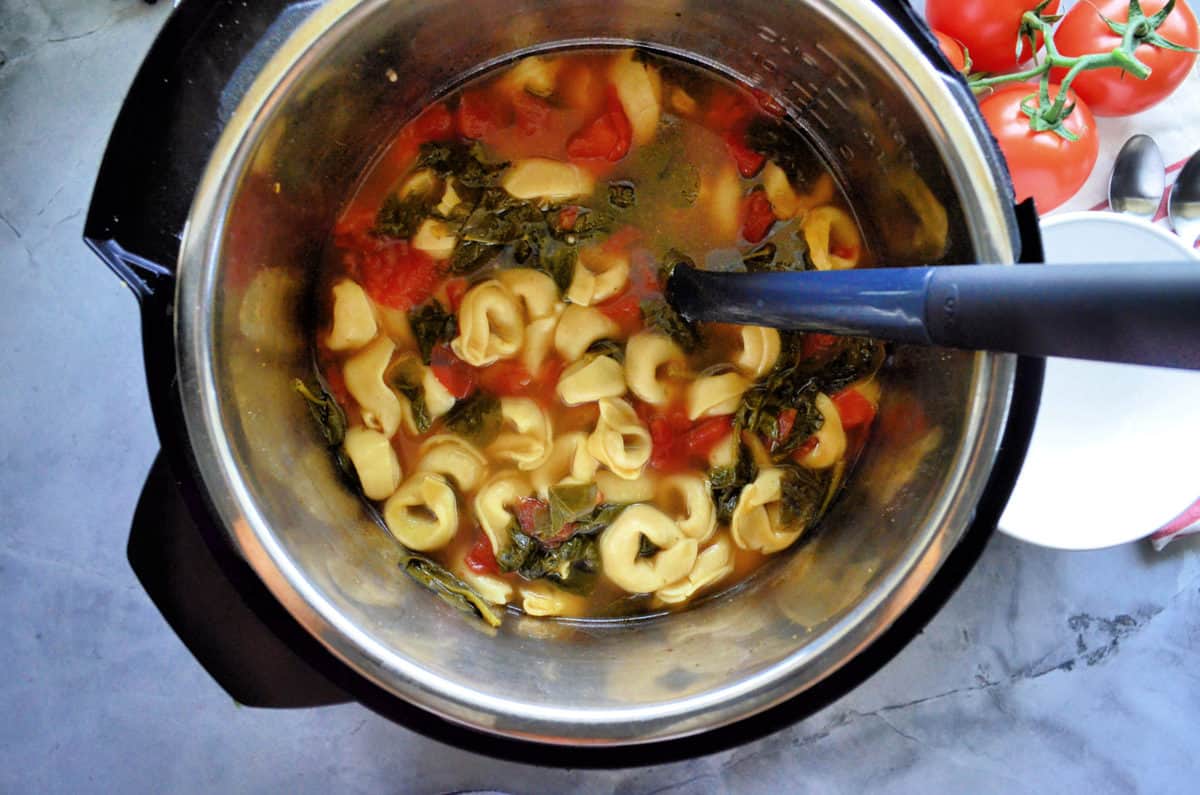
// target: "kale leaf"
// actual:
[[726, 483], [477, 418], [399, 218], [405, 376], [430, 325], [661, 316], [449, 588], [331, 421], [465, 162]]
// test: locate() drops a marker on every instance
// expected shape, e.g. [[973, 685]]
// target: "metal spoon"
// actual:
[[1184, 206], [1138, 178], [1148, 314]]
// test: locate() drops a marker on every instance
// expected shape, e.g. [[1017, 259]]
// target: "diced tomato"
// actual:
[[757, 216], [787, 421], [506, 378], [482, 559], [532, 114], [434, 124], [607, 136], [547, 378], [668, 427], [768, 103], [397, 275], [805, 449], [708, 434], [747, 160], [456, 375], [481, 114], [853, 408], [529, 510], [844, 252], [817, 345], [625, 310], [567, 217], [727, 111], [351, 229], [456, 288]]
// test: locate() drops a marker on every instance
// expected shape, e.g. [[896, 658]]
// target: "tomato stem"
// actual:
[[1050, 113]]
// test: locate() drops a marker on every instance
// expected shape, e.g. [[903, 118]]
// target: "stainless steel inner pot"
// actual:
[[918, 171]]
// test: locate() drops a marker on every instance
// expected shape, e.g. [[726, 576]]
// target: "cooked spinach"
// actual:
[[571, 565], [477, 418], [469, 257], [464, 162], [399, 218], [803, 493], [331, 421], [449, 588], [569, 502], [622, 195], [661, 316], [598, 518], [853, 359], [785, 387], [726, 483], [778, 140], [646, 547], [763, 259], [430, 325], [325, 410], [610, 348], [405, 376]]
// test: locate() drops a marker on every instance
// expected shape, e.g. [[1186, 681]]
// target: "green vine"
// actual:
[[1049, 113]]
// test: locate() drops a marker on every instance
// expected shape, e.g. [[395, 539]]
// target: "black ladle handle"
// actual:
[[1145, 313]]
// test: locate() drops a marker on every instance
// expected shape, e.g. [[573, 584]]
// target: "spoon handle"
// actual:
[[1147, 313]]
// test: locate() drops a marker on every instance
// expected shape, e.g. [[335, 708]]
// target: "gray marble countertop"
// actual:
[[1047, 670]]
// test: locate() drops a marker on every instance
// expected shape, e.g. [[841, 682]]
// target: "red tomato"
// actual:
[[668, 435], [817, 345], [480, 114], [727, 111], [1043, 165], [757, 216], [987, 28], [953, 51], [625, 311], [567, 217], [853, 409], [456, 375], [532, 114], [1112, 92], [528, 511], [482, 559], [708, 434], [805, 448], [607, 136], [747, 160], [787, 421], [395, 274], [434, 124]]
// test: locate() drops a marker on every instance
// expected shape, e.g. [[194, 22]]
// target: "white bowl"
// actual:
[[1115, 451]]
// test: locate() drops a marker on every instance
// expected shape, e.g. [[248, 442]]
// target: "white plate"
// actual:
[[1115, 453]]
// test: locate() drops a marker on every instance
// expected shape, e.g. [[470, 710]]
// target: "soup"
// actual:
[[501, 377]]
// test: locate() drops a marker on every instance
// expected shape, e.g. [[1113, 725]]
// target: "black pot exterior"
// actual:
[[171, 119]]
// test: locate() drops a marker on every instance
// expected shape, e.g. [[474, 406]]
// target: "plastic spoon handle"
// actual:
[[1147, 313]]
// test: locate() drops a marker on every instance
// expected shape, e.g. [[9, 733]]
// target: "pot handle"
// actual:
[[205, 609]]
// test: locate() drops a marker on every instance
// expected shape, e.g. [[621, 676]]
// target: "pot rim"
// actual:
[[959, 144]]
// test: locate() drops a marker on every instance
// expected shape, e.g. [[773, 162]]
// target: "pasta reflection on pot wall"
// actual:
[[332, 96]]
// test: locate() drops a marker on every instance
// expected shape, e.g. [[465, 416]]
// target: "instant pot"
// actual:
[[243, 133]]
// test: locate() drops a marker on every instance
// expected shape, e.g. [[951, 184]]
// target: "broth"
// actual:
[[522, 406]]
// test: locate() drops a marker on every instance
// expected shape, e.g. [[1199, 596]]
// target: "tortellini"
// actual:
[[621, 542], [721, 194], [639, 88], [534, 74], [454, 457], [714, 395], [527, 436], [353, 318], [831, 437], [374, 461], [539, 341], [491, 325], [760, 351], [833, 239], [687, 500], [599, 275], [493, 589], [536, 292], [647, 355], [713, 564], [569, 462], [619, 490], [579, 327], [591, 379], [785, 202], [423, 513], [540, 598], [435, 239], [543, 178], [757, 522], [493, 505], [363, 373], [620, 442]]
